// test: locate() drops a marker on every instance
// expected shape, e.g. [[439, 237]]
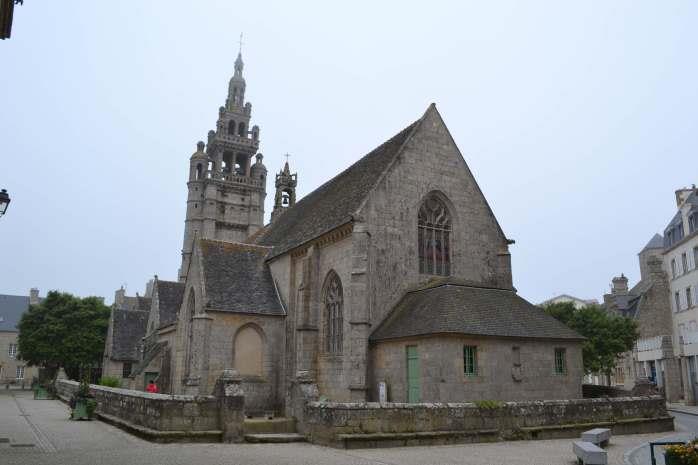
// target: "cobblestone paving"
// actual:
[[62, 442]]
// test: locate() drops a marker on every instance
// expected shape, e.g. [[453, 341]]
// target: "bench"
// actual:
[[598, 436], [589, 454]]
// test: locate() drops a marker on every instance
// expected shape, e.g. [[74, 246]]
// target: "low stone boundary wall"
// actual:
[[372, 424], [158, 417], [593, 391]]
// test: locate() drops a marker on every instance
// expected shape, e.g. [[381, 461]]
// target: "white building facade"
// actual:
[[681, 264]]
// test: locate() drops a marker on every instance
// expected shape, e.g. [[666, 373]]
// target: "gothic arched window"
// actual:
[[334, 318], [242, 132], [231, 127], [434, 237]]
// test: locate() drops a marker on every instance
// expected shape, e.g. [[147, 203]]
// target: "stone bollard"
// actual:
[[231, 402]]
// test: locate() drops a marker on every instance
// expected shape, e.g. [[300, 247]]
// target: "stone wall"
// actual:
[[499, 377], [595, 391], [261, 389], [430, 161], [371, 423], [157, 417]]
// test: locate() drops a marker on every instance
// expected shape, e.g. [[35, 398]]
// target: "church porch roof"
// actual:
[[470, 309]]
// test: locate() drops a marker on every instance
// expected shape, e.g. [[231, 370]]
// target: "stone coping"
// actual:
[[471, 405], [141, 394]]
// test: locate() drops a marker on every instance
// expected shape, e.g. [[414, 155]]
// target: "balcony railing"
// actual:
[[247, 141]]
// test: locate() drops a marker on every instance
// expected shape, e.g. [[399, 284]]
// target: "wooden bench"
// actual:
[[589, 454], [598, 436]]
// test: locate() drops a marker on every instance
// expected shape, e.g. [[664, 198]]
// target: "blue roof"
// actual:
[[11, 309]]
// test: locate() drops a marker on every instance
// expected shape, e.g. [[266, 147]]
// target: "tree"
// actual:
[[64, 331], [607, 335]]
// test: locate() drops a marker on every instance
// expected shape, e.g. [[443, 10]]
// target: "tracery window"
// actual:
[[334, 319], [434, 237]]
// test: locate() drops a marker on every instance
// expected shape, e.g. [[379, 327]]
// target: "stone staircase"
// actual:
[[271, 430]]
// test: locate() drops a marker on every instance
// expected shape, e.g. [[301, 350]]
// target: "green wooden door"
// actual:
[[413, 375]]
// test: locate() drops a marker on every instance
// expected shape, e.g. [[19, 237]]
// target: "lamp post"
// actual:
[[4, 201]]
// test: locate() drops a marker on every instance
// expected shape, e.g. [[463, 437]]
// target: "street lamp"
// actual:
[[4, 201]]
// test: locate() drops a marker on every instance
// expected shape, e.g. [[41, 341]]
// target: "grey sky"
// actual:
[[578, 119]]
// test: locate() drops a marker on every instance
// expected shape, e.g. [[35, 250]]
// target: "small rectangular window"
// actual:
[[20, 372], [516, 356], [126, 370], [684, 262], [12, 352], [689, 304], [470, 360], [673, 268], [560, 361], [677, 300]]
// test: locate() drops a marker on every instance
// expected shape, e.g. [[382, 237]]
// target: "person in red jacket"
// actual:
[[152, 387]]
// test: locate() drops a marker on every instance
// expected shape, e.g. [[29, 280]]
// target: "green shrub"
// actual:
[[109, 381], [488, 404]]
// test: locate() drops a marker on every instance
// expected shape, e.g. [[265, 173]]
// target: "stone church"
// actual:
[[391, 281]]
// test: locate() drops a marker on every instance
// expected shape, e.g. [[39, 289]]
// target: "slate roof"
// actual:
[[136, 303], [657, 242], [465, 308], [237, 279], [332, 204], [11, 309], [170, 295], [127, 331]]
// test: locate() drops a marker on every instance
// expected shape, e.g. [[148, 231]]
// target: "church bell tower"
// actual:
[[226, 189], [285, 191]]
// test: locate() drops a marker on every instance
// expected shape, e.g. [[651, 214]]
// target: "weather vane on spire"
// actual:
[[240, 44]]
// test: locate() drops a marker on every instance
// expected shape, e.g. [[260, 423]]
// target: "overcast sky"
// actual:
[[578, 119]]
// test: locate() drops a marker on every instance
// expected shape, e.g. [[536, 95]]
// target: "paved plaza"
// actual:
[[39, 432]]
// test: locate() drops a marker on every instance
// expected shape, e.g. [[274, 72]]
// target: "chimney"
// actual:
[[619, 285], [119, 296], [149, 287], [34, 296], [682, 194]]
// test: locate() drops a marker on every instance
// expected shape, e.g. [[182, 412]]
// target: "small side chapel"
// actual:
[[395, 272]]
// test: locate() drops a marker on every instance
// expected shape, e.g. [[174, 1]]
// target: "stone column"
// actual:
[[688, 396], [672, 379], [306, 314], [231, 403], [197, 383], [304, 390], [359, 313]]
